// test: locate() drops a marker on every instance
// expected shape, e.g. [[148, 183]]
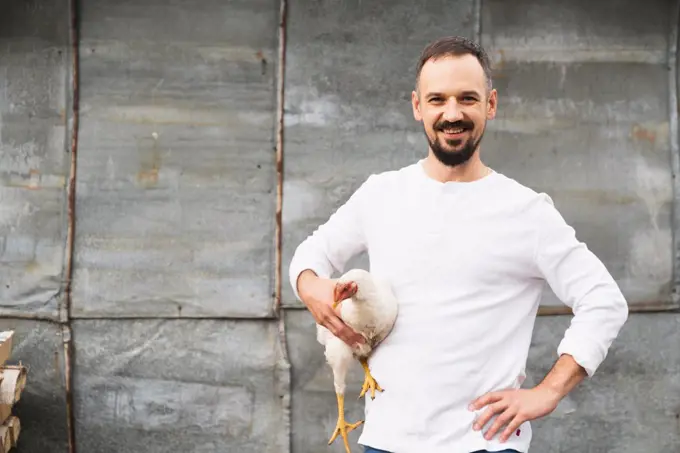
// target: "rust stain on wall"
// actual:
[[263, 61], [32, 266], [33, 179], [28, 182], [150, 165], [148, 177], [498, 64], [643, 134]]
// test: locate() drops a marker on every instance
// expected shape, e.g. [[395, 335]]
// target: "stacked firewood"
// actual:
[[12, 383]]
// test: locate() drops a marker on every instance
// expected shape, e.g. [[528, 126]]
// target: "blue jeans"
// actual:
[[374, 450]]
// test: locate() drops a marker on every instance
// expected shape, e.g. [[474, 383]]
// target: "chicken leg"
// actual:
[[369, 381], [342, 427], [339, 357]]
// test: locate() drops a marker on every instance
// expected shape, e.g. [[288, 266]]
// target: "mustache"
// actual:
[[440, 126]]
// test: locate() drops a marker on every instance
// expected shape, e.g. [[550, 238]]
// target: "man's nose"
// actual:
[[452, 112]]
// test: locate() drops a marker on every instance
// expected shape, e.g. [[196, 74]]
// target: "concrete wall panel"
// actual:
[[42, 407], [176, 165], [33, 171], [202, 386], [349, 76], [583, 116]]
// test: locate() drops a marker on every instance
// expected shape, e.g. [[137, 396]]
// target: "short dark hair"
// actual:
[[455, 46]]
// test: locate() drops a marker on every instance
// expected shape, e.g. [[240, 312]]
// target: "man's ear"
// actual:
[[415, 103], [492, 105]]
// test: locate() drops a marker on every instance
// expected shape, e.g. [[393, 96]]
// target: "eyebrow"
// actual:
[[464, 93]]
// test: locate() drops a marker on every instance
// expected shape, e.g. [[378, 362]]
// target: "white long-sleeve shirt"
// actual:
[[468, 262]]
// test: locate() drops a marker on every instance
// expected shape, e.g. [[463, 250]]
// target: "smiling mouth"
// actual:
[[454, 130]]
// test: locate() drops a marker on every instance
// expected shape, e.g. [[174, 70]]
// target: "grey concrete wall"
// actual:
[[178, 342], [175, 171], [34, 62], [584, 116]]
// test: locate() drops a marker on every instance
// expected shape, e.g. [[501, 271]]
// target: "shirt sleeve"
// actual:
[[581, 281], [333, 243]]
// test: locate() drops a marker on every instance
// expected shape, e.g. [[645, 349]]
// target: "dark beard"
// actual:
[[453, 158]]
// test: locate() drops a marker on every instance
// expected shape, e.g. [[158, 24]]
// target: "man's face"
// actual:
[[453, 104]]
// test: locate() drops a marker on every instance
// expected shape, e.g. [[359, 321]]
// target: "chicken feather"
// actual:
[[367, 305]]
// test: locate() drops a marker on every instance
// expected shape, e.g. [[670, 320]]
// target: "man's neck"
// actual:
[[469, 171]]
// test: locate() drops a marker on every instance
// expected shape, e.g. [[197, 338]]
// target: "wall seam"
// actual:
[[284, 366], [477, 20], [65, 311], [674, 146]]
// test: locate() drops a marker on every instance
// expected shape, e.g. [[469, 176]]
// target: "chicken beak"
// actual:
[[343, 291]]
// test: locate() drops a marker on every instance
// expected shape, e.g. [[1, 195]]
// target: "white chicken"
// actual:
[[368, 306]]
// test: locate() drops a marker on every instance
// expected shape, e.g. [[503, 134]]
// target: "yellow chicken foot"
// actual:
[[369, 381], [342, 428]]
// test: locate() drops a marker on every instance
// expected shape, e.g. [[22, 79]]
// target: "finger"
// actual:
[[329, 320], [335, 325], [483, 400], [342, 331], [500, 421], [512, 427], [350, 337], [490, 412]]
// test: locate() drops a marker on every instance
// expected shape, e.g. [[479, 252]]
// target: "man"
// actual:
[[468, 252]]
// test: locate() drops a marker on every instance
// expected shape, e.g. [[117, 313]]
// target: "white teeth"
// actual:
[[453, 131]]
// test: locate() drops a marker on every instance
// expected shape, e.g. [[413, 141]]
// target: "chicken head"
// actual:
[[342, 291]]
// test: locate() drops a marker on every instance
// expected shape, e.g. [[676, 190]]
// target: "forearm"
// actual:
[[304, 281], [564, 376]]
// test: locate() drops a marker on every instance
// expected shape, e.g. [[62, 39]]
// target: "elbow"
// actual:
[[615, 315], [624, 311], [297, 265], [295, 268], [620, 310], [605, 301], [618, 313], [597, 323], [305, 258]]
